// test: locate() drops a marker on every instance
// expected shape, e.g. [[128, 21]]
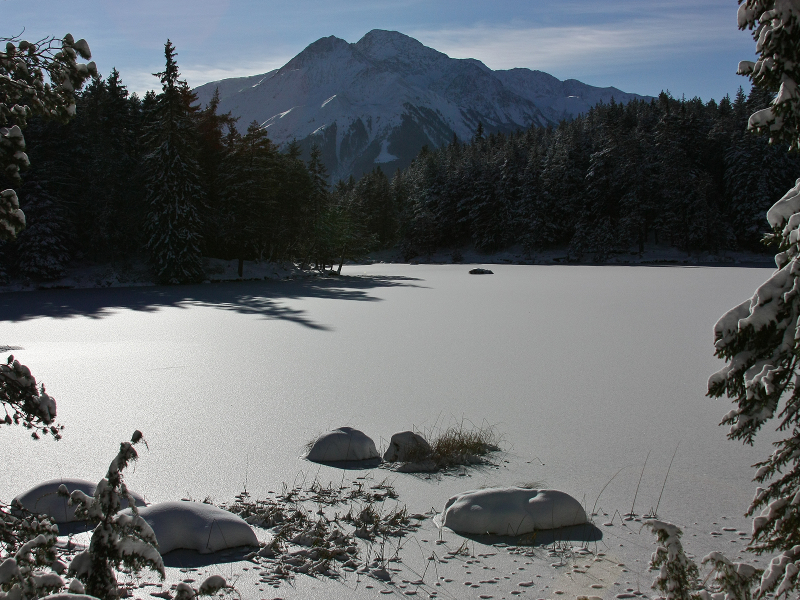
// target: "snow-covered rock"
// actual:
[[342, 444], [405, 445], [43, 499], [196, 526], [511, 511]]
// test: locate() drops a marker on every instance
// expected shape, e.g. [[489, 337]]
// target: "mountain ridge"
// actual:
[[378, 101]]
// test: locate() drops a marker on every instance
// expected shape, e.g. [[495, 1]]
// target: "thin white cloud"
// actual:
[[196, 75], [583, 48], [199, 75]]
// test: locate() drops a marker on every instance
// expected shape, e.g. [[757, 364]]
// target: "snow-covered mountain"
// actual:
[[380, 100]]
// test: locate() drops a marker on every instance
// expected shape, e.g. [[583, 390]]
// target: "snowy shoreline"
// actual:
[[219, 270]]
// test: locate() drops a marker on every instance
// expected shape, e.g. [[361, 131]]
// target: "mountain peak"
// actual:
[[379, 100], [323, 46], [381, 45]]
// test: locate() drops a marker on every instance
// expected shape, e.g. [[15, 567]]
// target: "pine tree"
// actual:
[[247, 194], [320, 196], [212, 157], [40, 249], [174, 192], [758, 338]]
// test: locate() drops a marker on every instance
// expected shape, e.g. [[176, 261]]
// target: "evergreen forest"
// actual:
[[163, 180]]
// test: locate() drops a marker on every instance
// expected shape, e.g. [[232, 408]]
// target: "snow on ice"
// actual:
[[511, 511], [344, 443], [196, 526], [44, 498]]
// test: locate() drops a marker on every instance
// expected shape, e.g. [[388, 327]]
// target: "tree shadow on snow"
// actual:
[[585, 533], [270, 299]]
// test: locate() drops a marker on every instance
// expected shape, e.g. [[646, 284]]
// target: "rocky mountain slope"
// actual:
[[379, 101]]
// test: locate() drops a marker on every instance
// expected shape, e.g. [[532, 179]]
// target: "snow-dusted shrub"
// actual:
[[342, 444], [728, 580], [44, 498], [511, 511], [24, 402], [677, 574], [27, 555], [196, 526], [120, 540]]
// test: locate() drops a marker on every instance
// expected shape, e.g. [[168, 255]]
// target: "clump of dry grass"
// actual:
[[455, 446]]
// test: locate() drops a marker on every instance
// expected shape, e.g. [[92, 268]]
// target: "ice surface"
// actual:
[[344, 443], [586, 382], [196, 526], [511, 511], [44, 498]]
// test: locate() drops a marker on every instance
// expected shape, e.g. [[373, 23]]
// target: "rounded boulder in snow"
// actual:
[[406, 446], [511, 511], [342, 444], [43, 499], [196, 526]]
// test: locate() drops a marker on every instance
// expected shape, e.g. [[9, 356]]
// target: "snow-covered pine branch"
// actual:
[[24, 402], [775, 29], [36, 79]]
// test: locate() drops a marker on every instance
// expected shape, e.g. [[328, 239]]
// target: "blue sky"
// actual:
[[689, 48]]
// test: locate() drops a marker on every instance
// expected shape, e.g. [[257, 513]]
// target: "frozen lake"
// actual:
[[581, 370]]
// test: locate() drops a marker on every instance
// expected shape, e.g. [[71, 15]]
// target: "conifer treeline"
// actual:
[[676, 172], [162, 179]]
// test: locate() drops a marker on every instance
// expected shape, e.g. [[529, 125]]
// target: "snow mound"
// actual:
[[344, 443], [406, 445], [196, 526], [511, 511], [69, 596], [43, 499]]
